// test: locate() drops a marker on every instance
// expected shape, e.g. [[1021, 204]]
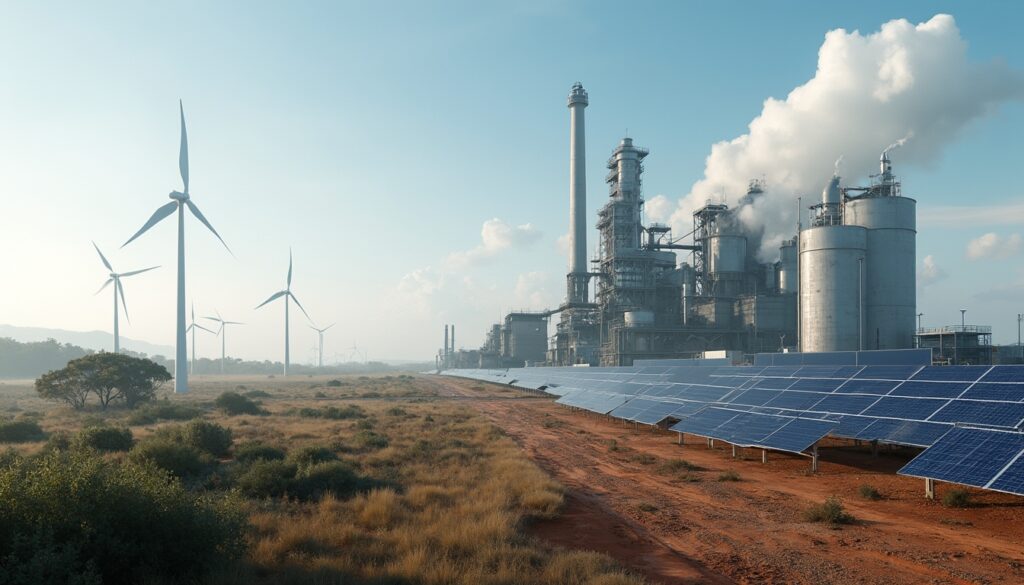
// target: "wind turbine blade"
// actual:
[[120, 290], [189, 328], [105, 285], [183, 153], [289, 293], [199, 215], [134, 272], [218, 319], [198, 326], [233, 323], [274, 296], [329, 326], [290, 268], [102, 257], [162, 212]]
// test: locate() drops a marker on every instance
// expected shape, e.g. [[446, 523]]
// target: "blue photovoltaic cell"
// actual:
[[844, 403], [1002, 392], [887, 372], [851, 426], [752, 428], [856, 386], [755, 397], [1012, 479], [774, 383], [798, 435], [704, 422], [1005, 374], [879, 430], [795, 400], [967, 456], [906, 408], [779, 371], [998, 414], [930, 389], [816, 385], [920, 434], [951, 373]]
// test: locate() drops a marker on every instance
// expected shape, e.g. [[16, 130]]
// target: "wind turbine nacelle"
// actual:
[[178, 196]]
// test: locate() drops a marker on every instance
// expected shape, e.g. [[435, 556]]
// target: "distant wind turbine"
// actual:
[[287, 294], [192, 327], [320, 346], [118, 290], [355, 352], [179, 203], [223, 332]]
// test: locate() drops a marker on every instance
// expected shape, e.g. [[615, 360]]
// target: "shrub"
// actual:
[[335, 477], [249, 452], [264, 479], [730, 475], [205, 436], [333, 412], [869, 492], [74, 517], [369, 440], [104, 438], [183, 461], [956, 498], [163, 410], [20, 431], [257, 393], [645, 458], [59, 441], [395, 411], [307, 456], [673, 466], [335, 383], [830, 512], [233, 403]]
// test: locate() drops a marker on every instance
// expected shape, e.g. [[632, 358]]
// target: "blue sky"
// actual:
[[376, 138]]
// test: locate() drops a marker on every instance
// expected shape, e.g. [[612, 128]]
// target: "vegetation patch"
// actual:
[[112, 378], [249, 452], [830, 512], [349, 411], [956, 498], [104, 438], [161, 410], [869, 492], [20, 431], [234, 404], [730, 475]]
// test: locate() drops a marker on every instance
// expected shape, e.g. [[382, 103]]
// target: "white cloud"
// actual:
[[992, 245], [868, 91], [535, 290], [929, 273], [658, 209], [562, 243], [496, 236]]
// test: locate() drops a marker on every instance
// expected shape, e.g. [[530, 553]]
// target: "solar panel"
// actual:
[[1012, 478], [974, 457], [798, 435], [755, 397], [981, 412], [905, 408], [795, 400], [704, 422], [930, 389], [951, 373], [918, 434], [816, 385], [879, 387], [1002, 392], [844, 403], [1005, 374], [774, 383], [887, 372]]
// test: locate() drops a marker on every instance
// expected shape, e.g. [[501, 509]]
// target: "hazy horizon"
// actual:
[[415, 157]]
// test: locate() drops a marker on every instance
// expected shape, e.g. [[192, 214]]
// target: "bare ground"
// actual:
[[688, 527]]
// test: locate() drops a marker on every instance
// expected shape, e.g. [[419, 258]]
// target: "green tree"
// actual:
[[111, 377]]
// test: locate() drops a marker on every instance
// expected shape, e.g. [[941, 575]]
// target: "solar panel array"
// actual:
[[791, 407]]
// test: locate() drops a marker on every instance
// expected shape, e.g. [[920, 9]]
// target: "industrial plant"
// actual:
[[845, 281]]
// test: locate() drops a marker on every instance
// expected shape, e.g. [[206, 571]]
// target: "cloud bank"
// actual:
[[496, 236], [992, 246], [868, 91]]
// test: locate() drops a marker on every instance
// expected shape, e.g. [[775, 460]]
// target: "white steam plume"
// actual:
[[868, 90], [898, 143], [839, 161]]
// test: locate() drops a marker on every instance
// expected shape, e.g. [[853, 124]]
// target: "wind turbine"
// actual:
[[355, 352], [179, 202], [118, 290], [192, 327], [287, 294], [223, 332], [320, 347]]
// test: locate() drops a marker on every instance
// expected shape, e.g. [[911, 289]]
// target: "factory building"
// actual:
[[846, 281]]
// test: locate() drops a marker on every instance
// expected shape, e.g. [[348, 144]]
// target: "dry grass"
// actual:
[[457, 493]]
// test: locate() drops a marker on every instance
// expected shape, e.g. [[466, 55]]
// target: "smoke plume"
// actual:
[[869, 90]]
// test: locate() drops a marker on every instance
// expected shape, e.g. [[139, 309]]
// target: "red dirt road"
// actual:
[[678, 526]]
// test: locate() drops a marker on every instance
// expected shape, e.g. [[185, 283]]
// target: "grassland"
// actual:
[[430, 491]]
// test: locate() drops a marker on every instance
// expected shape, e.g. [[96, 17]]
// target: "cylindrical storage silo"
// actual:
[[787, 267], [890, 291], [689, 290], [726, 263], [640, 318], [830, 287]]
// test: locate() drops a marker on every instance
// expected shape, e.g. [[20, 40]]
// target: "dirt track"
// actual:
[[688, 527]]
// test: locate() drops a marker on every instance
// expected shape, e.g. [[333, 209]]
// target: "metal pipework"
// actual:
[[577, 280]]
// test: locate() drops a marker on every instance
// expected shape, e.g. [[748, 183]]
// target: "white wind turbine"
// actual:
[[179, 202], [223, 332], [118, 290], [192, 327], [320, 346], [287, 294]]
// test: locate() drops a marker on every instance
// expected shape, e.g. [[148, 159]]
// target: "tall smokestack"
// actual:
[[577, 279], [453, 339], [446, 346]]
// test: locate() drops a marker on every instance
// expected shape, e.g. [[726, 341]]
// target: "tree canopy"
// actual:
[[111, 377]]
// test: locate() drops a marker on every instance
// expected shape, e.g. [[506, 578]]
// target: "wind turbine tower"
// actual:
[[223, 332], [115, 278], [179, 201], [287, 294], [320, 346], [192, 327]]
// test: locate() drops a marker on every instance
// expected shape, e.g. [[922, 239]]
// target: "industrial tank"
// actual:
[[889, 275], [830, 287], [726, 263], [787, 267], [641, 318]]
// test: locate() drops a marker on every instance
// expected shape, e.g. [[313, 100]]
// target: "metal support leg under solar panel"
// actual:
[[814, 458], [764, 455], [929, 488]]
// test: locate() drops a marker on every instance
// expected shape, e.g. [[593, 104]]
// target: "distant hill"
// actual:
[[94, 340]]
